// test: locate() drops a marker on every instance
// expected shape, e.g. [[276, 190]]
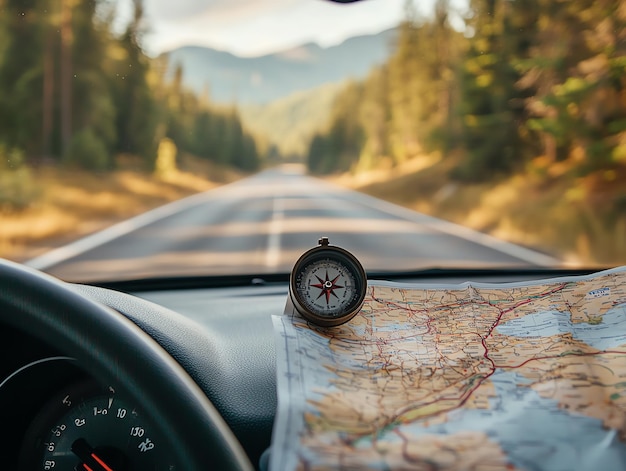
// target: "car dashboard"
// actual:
[[221, 336]]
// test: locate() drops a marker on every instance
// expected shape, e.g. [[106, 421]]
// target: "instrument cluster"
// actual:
[[63, 419]]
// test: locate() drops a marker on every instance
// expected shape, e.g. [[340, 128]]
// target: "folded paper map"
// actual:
[[474, 376]]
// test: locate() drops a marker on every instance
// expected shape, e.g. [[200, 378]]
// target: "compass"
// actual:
[[327, 285]]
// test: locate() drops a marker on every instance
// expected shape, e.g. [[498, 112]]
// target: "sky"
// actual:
[[256, 27]]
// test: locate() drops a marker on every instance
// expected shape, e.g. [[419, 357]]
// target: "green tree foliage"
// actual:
[[206, 131], [136, 122], [20, 72], [93, 107], [525, 78], [87, 150], [419, 87], [73, 91], [17, 185], [578, 72], [402, 108], [338, 149], [375, 119], [492, 106]]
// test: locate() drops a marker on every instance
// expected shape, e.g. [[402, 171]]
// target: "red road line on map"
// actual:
[[549, 357], [463, 398], [481, 303], [407, 456], [493, 326]]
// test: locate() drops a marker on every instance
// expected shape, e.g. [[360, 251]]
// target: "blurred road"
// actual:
[[263, 223]]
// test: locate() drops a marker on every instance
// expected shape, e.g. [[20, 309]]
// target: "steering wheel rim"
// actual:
[[105, 341]]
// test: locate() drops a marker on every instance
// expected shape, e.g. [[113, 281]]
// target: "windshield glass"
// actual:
[[151, 138]]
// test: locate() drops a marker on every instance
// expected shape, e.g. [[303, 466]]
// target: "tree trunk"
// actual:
[[66, 73], [48, 94]]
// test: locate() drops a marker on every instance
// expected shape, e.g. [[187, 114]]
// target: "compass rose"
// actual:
[[327, 273], [327, 286]]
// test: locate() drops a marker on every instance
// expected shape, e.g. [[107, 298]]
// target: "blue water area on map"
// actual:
[[533, 431], [610, 333]]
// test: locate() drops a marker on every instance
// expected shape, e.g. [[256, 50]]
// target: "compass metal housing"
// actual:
[[327, 285]]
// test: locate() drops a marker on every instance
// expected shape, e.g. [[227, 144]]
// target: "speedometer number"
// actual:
[[58, 430], [137, 432]]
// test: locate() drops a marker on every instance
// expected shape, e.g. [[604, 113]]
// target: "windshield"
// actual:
[[151, 138]]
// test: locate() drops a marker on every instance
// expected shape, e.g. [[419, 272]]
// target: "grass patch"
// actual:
[[72, 203], [579, 219]]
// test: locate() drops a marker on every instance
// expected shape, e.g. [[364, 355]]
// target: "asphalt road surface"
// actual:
[[263, 223]]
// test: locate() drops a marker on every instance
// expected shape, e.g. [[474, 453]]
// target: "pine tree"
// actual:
[[136, 120]]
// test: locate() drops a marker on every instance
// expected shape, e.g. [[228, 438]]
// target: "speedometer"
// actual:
[[87, 428]]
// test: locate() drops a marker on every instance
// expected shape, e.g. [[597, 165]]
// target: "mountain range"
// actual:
[[258, 80]]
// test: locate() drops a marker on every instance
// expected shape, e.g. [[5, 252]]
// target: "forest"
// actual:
[[75, 93], [527, 99], [514, 125], [526, 78]]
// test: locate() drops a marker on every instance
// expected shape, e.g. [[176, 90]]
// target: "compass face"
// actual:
[[328, 286]]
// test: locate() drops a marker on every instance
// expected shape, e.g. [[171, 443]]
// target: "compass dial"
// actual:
[[327, 285]]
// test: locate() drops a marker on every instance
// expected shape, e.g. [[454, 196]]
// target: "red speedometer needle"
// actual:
[[100, 462], [91, 461]]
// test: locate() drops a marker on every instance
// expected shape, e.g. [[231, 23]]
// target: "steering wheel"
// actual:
[[104, 341]]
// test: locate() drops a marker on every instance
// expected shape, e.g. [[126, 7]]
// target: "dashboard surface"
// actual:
[[223, 337]]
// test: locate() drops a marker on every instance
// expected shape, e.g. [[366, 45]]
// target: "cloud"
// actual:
[[222, 11], [255, 27]]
